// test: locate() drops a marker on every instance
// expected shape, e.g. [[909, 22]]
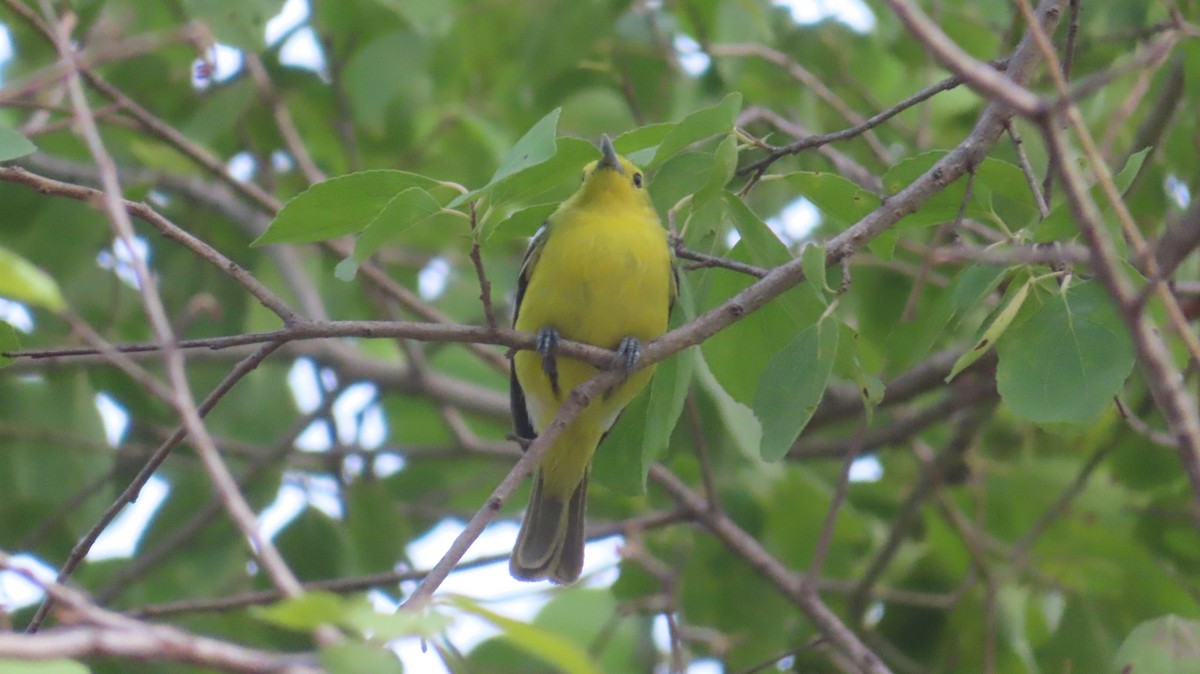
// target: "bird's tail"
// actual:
[[550, 544]]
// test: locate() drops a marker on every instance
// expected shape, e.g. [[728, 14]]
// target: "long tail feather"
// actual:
[[550, 544]]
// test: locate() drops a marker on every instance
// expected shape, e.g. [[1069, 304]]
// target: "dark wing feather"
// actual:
[[516, 395]]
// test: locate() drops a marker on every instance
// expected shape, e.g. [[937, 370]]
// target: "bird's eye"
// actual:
[[637, 180]]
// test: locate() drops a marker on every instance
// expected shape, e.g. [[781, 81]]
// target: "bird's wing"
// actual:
[[516, 395]]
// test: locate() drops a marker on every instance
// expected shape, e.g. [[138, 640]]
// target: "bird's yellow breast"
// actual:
[[603, 274]]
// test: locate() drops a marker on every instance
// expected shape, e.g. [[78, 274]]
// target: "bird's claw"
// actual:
[[547, 343], [628, 353]]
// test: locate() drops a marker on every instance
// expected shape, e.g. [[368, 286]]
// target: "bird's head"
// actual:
[[612, 177]]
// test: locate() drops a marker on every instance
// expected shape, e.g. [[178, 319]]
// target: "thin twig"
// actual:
[[840, 489], [485, 286], [1027, 169], [858, 129], [939, 235], [844, 163], [283, 120], [811, 82], [705, 261], [1073, 7], [696, 421]]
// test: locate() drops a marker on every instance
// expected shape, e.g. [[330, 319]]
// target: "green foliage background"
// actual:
[[1034, 528]]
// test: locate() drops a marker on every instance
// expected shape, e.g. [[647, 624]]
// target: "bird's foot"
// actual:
[[628, 353], [547, 344]]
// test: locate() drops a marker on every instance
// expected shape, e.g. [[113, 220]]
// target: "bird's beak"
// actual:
[[610, 159]]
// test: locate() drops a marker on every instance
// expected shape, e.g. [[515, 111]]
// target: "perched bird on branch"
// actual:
[[599, 271]]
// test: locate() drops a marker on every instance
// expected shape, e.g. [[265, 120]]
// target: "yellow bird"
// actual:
[[599, 271]]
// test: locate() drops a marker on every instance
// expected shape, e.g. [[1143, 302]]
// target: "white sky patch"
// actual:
[[241, 166], [796, 221], [6, 48], [302, 382], [866, 469], [349, 411], [374, 428], [298, 492], [431, 281], [222, 63], [706, 666], [114, 417], [303, 50], [874, 614], [1178, 191], [158, 198], [16, 315], [120, 539], [282, 161], [119, 259], [289, 502], [16, 590], [294, 13], [692, 59], [853, 13], [388, 464], [316, 438], [324, 494]]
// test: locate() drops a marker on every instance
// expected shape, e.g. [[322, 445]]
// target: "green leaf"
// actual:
[[58, 666], [1066, 361], [668, 391], [536, 146], [370, 96], [13, 144], [412, 206], [237, 22], [792, 386], [639, 144], [766, 250], [524, 222], [339, 206], [618, 461], [563, 166], [737, 356], [1166, 645], [305, 612], [352, 658], [1060, 223], [363, 618], [8, 342], [986, 341], [812, 259], [20, 280], [836, 197], [723, 168], [219, 109], [995, 180], [698, 126], [553, 648]]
